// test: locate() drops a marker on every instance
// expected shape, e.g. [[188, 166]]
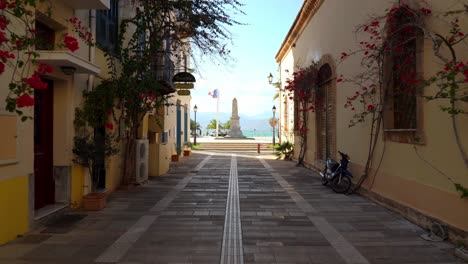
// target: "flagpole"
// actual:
[[217, 113]]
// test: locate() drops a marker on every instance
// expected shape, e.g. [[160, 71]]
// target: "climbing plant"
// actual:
[[388, 49], [300, 88]]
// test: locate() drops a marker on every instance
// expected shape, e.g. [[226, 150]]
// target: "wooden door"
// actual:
[[325, 115], [44, 184]]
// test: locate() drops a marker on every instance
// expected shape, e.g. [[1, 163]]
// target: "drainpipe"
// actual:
[[92, 50]]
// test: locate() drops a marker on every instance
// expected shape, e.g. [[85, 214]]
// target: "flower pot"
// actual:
[[186, 153], [94, 201], [175, 158]]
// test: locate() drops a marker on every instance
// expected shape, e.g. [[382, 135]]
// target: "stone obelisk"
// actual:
[[235, 131]]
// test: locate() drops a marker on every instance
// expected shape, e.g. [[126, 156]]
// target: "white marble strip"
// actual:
[[345, 249], [120, 247], [232, 251]]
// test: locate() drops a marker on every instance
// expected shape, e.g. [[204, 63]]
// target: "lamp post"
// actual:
[[270, 78], [274, 111], [195, 108]]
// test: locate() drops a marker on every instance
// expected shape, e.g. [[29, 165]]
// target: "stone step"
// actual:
[[233, 146]]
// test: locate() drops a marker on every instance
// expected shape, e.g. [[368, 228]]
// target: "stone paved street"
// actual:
[[231, 208]]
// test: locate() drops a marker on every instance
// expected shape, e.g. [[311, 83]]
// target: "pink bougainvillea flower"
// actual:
[[45, 68], [343, 55], [71, 43], [3, 23], [370, 108], [5, 55], [36, 83], [110, 126], [339, 80], [24, 100], [426, 11]]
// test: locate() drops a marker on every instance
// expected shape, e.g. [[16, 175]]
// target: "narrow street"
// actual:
[[230, 208]]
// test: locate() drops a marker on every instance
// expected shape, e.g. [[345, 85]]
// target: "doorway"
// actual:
[[326, 110], [44, 184]]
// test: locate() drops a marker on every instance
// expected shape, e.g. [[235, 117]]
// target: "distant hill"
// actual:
[[247, 123]]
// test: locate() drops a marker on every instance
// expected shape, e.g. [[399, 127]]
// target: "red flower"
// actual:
[[110, 126], [374, 24], [339, 80], [3, 23], [35, 82], [461, 34], [370, 108], [24, 100], [3, 4], [71, 43], [426, 11], [3, 38], [343, 55], [2, 67], [109, 112], [45, 68], [5, 55]]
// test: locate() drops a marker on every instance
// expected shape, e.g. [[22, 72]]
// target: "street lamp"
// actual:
[[274, 111], [270, 78], [195, 108]]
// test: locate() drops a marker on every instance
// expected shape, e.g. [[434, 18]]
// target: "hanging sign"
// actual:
[[183, 77], [183, 92], [183, 85]]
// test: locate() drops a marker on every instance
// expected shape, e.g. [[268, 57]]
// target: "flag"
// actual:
[[214, 94]]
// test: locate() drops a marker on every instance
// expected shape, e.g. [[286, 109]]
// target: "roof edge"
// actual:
[[308, 9]]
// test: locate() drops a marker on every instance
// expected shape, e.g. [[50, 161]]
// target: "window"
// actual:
[[107, 26], [45, 37], [401, 75]]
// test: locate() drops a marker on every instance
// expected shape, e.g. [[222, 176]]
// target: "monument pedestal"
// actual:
[[235, 131]]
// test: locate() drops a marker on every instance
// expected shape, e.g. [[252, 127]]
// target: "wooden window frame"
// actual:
[[409, 135], [107, 26]]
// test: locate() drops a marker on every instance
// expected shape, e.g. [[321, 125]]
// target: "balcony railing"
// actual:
[[164, 70]]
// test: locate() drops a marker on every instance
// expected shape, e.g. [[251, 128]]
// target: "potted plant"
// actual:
[[93, 143], [284, 150], [187, 149], [175, 155]]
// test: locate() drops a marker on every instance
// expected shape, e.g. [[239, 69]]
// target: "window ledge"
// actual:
[[7, 162], [400, 130]]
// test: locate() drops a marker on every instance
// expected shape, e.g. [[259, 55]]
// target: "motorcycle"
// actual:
[[337, 174]]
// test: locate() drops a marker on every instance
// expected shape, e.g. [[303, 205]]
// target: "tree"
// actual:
[[212, 124], [160, 34], [227, 125], [194, 126]]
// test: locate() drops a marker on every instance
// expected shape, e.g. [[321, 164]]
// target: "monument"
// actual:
[[235, 131]]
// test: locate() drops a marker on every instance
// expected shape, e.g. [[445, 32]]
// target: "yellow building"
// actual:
[[410, 166], [37, 174]]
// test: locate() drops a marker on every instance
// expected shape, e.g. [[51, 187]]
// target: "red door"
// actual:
[[44, 185]]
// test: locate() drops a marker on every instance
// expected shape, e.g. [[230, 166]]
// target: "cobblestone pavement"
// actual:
[[231, 208]]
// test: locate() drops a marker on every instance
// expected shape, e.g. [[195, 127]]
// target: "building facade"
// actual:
[[411, 165], [38, 175]]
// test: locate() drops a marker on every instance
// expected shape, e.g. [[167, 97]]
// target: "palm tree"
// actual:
[[195, 126]]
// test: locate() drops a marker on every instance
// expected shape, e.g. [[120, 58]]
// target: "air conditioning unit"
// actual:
[[141, 160]]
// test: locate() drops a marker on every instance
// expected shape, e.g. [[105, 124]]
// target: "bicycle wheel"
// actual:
[[341, 184]]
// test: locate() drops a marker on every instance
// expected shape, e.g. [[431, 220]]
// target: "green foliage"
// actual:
[[460, 188], [284, 150]]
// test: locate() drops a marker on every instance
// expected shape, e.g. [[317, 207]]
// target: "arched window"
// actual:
[[403, 54], [325, 113]]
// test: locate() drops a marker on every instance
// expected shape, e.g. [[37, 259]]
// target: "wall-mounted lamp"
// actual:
[[270, 78], [68, 70]]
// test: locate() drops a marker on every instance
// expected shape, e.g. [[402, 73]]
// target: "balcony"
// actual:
[[164, 70], [67, 60], [88, 4]]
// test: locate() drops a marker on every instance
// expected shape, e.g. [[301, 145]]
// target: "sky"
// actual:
[[254, 49]]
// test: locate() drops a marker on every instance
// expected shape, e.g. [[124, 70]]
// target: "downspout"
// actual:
[[92, 49]]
